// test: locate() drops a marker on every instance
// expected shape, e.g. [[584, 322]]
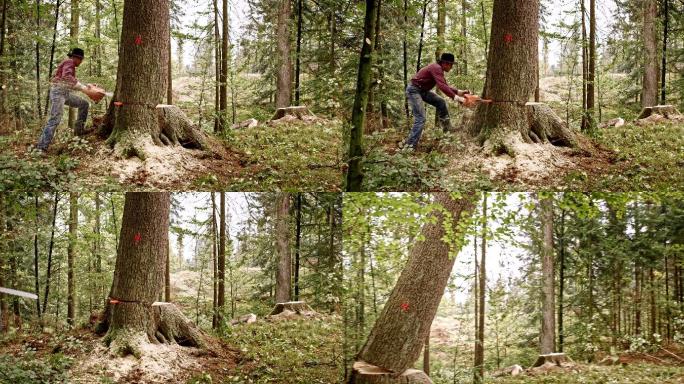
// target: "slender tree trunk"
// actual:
[[284, 271], [441, 26], [649, 83], [478, 376], [52, 52], [284, 75], [358, 119], [422, 32], [98, 36], [397, 338], [74, 36], [585, 68], [48, 273], [38, 103], [169, 74], [561, 282], [548, 329], [71, 256], [167, 279], [426, 355], [663, 66], [221, 269], [36, 277], [405, 54], [3, 107], [297, 245], [214, 249], [591, 74], [464, 37], [217, 69], [223, 102], [98, 250], [298, 52]]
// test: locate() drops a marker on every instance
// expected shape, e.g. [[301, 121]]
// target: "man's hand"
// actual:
[[463, 92]]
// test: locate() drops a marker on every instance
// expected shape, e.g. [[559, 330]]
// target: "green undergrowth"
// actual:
[[25, 367], [294, 351], [296, 156], [629, 374], [654, 156]]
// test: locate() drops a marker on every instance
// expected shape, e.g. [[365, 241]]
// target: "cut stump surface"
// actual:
[[365, 373]]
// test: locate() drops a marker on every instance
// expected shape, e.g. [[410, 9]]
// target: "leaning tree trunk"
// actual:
[[135, 317], [141, 85], [513, 44], [396, 340]]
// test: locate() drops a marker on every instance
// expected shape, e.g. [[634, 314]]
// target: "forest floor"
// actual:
[[627, 158], [296, 155], [286, 351]]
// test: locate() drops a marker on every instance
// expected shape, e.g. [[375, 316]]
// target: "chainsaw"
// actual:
[[96, 93], [469, 100]]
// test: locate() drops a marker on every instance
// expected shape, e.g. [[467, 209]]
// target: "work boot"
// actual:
[[446, 125]]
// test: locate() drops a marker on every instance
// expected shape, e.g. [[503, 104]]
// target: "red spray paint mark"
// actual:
[[118, 103], [508, 38], [138, 40], [113, 301], [405, 307], [137, 238]]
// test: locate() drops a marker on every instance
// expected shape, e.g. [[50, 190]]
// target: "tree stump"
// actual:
[[176, 129], [249, 123], [558, 359], [546, 127], [297, 111], [617, 123], [666, 111], [364, 373], [173, 327], [298, 307], [513, 370]]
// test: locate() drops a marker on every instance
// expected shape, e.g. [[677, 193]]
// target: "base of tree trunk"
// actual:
[[297, 111], [173, 129], [165, 324], [533, 123], [365, 373], [663, 110], [298, 307], [558, 359]]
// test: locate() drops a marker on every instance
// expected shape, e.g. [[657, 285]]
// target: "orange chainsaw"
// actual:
[[470, 100]]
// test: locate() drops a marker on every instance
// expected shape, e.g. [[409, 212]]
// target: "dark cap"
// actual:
[[76, 52], [447, 58]]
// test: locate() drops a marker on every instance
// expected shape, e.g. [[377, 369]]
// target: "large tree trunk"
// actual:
[[284, 81], [548, 328], [663, 65], [141, 86], [649, 84], [284, 270], [396, 340], [138, 279], [513, 43], [71, 255], [358, 119]]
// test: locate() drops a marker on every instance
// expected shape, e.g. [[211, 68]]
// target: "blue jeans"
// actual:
[[416, 97], [59, 96]]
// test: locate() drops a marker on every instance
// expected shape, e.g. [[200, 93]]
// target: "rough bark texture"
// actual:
[[223, 88], [299, 307], [396, 340], [478, 371], [364, 373], [558, 359], [548, 328], [513, 44], [221, 267], [358, 120], [135, 318], [544, 126], [284, 269], [176, 129], [284, 78], [141, 82], [71, 254], [73, 35], [649, 84], [298, 112]]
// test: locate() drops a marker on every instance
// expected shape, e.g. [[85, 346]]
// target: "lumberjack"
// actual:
[[420, 89], [64, 85]]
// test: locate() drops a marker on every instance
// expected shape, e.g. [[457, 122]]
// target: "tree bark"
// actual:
[[298, 235], [284, 76], [52, 52], [221, 268], [217, 70], [358, 119], [561, 279], [298, 51], [478, 374], [663, 65], [214, 250], [284, 271], [71, 255], [591, 73], [649, 83], [38, 98], [48, 274], [73, 42], [138, 278], [396, 340], [223, 101], [503, 125], [36, 276], [548, 328], [464, 37], [3, 25]]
